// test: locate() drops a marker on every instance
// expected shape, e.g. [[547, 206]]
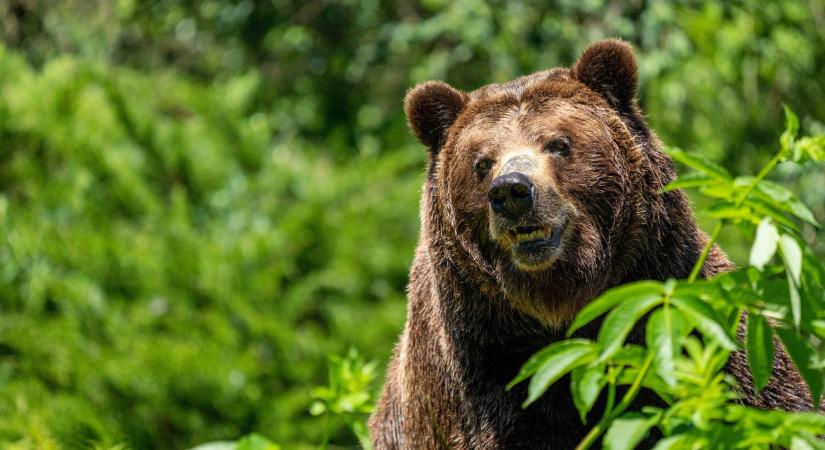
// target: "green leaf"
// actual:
[[774, 212], [678, 441], [638, 291], [626, 432], [812, 147], [728, 210], [256, 442], [759, 345], [798, 443], [804, 357], [555, 367], [664, 331], [701, 164], [704, 319], [792, 256], [539, 358], [724, 191], [690, 180], [620, 321], [764, 244], [791, 129], [585, 385], [787, 200]]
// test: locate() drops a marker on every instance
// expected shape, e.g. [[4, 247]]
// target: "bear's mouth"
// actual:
[[534, 246]]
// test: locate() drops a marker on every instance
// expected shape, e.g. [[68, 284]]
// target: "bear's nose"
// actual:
[[511, 195]]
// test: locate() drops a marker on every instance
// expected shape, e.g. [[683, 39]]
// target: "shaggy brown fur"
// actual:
[[477, 308]]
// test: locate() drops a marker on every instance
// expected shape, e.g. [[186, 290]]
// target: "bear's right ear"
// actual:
[[431, 109]]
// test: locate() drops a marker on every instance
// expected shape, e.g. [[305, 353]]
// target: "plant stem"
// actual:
[[628, 398], [700, 263]]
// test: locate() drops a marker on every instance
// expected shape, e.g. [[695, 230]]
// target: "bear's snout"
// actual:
[[511, 195]]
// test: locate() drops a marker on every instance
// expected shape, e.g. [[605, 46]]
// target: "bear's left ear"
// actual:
[[608, 67]]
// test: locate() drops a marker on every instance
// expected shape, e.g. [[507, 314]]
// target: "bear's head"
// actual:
[[540, 189]]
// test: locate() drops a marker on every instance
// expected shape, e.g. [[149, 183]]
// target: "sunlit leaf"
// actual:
[[792, 256], [786, 200], [626, 432], [704, 319], [791, 129], [759, 345], [812, 147], [677, 442], [554, 367], [728, 210], [777, 214], [585, 385], [698, 163], [764, 244], [664, 330], [690, 180], [798, 443], [725, 191], [620, 321], [638, 291], [539, 358]]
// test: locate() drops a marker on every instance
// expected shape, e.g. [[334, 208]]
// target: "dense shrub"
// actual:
[[200, 200]]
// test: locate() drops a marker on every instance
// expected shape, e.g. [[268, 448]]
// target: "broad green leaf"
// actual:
[[767, 209], [664, 331], [723, 190], [620, 321], [256, 442], [704, 318], [638, 291], [693, 179], [539, 358], [759, 345], [626, 432], [792, 256], [798, 443], [728, 210], [585, 385], [804, 357], [787, 200], [701, 164], [218, 445], [676, 442], [812, 422], [764, 244], [555, 367]]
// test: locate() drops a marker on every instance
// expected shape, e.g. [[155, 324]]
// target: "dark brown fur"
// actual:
[[475, 315]]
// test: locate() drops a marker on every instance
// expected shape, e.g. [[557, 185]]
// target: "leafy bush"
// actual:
[[200, 200], [691, 327]]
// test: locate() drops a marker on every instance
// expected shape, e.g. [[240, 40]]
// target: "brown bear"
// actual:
[[541, 193]]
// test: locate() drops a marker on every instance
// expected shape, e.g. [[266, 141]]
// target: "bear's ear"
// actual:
[[431, 109], [608, 67]]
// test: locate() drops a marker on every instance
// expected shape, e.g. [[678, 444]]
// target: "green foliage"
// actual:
[[693, 329], [348, 396], [201, 200]]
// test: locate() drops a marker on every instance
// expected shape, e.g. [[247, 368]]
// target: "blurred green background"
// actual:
[[201, 200]]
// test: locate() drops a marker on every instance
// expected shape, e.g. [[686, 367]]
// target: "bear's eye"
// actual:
[[558, 146], [483, 167]]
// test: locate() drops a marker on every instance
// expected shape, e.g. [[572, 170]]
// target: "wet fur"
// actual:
[[473, 316]]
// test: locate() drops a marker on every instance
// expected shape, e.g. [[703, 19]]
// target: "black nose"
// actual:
[[511, 195]]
